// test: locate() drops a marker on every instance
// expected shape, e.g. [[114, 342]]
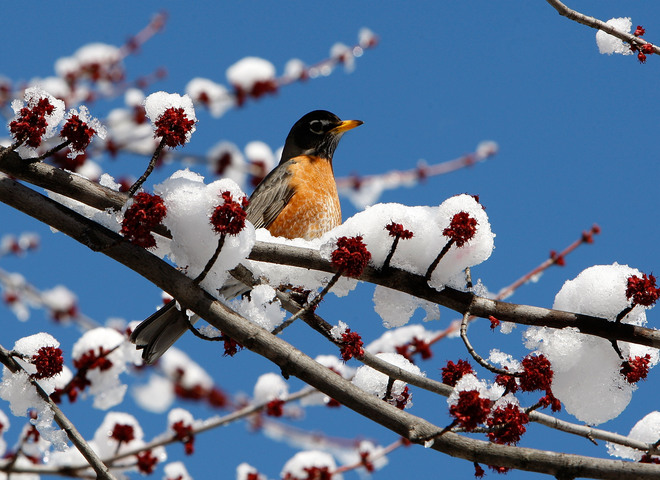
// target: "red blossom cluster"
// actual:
[[507, 424], [453, 372], [64, 313], [231, 346], [351, 256], [643, 291], [146, 462], [31, 123], [257, 90], [588, 237], [78, 132], [494, 322], [49, 362], [402, 400], [275, 408], [636, 369], [415, 345], [122, 433], [141, 218], [461, 229], [351, 345], [536, 375], [397, 231], [470, 410], [214, 396], [184, 433], [557, 258], [89, 360], [642, 50], [366, 462], [229, 218], [173, 126]]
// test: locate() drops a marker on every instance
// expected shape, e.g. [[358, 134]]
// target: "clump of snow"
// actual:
[[245, 471], [608, 44], [505, 360], [262, 307], [587, 376], [295, 276], [397, 308], [190, 203], [212, 95], [646, 430], [375, 383], [366, 37], [180, 415], [294, 68], [181, 368], [226, 160], [486, 149], [415, 255], [470, 382], [94, 123], [59, 299], [176, 471], [270, 386], [344, 54], [17, 389], [158, 103], [30, 100], [157, 395], [396, 337], [129, 128], [248, 71], [105, 385], [298, 466], [107, 446], [260, 153]]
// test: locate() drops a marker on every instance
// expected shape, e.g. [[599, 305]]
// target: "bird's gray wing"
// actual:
[[271, 196]]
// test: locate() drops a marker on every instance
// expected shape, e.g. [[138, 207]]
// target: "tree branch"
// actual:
[[94, 195], [592, 22], [293, 362]]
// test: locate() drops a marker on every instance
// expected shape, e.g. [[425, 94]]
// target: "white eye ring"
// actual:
[[317, 126]]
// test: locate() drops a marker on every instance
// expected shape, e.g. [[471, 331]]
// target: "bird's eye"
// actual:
[[316, 126]]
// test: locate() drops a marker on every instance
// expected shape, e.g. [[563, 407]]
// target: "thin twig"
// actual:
[[479, 359], [309, 306], [435, 262], [48, 153], [209, 264], [152, 163]]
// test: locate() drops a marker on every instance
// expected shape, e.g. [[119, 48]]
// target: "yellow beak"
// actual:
[[346, 125]]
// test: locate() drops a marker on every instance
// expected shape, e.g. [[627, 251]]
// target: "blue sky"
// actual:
[[576, 132]]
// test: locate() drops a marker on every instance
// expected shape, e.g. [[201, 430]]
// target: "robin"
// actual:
[[297, 199]]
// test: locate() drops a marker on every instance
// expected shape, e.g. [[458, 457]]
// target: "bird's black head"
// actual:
[[317, 134]]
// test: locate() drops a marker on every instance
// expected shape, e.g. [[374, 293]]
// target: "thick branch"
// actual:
[[83, 190], [293, 362]]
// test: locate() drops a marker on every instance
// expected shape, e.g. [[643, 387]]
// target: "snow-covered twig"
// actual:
[[65, 424], [592, 22]]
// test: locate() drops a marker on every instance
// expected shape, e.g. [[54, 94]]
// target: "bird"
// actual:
[[297, 199]]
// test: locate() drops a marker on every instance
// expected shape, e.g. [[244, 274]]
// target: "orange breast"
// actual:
[[314, 208]]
